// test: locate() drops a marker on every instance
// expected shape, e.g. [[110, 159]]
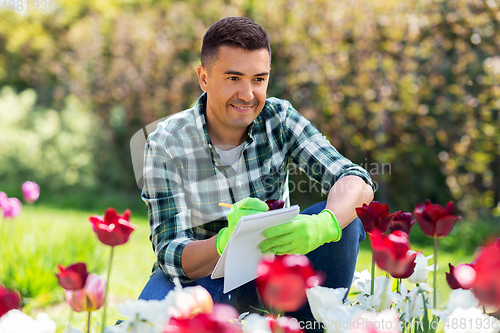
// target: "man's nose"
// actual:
[[246, 92]]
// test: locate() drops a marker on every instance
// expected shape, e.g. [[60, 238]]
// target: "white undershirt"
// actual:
[[230, 157]]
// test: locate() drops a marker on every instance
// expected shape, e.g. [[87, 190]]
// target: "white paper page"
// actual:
[[238, 263]]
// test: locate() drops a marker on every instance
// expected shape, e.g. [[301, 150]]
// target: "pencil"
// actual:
[[225, 205]]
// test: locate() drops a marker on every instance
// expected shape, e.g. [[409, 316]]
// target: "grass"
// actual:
[[66, 232], [65, 236]]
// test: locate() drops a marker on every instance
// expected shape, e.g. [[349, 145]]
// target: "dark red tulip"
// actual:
[[221, 320], [375, 216], [113, 229], [435, 220], [9, 300], [461, 277], [275, 204], [486, 286], [391, 253], [282, 281], [73, 277], [403, 221]]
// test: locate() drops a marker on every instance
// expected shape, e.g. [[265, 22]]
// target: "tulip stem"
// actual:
[[88, 323], [107, 291], [373, 275], [435, 270]]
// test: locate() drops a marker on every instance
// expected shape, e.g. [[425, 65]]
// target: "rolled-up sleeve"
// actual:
[[168, 215], [315, 155]]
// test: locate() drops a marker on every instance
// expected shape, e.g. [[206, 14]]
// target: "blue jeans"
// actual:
[[336, 260]]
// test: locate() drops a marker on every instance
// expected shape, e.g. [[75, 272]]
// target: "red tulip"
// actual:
[[403, 221], [9, 300], [461, 277], [73, 277], [221, 320], [90, 298], [275, 204], [486, 286], [114, 229], [375, 216], [11, 207], [435, 220], [391, 253], [282, 281], [31, 191]]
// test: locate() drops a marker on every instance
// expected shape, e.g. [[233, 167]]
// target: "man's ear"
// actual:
[[202, 77]]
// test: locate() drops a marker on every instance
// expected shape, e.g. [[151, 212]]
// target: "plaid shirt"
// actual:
[[184, 180]]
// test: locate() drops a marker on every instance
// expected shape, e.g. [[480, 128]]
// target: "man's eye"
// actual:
[[260, 79], [233, 78]]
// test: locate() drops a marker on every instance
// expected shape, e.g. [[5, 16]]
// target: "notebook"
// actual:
[[238, 263]]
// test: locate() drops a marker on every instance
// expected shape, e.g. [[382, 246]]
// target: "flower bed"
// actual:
[[383, 304]]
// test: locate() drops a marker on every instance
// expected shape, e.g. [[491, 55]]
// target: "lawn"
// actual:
[[67, 235]]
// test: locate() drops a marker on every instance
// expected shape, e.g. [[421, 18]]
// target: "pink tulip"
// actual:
[[90, 298], [31, 191], [3, 197], [221, 320], [462, 276], [11, 207]]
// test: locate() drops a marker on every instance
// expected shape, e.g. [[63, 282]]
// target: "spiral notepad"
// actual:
[[238, 263]]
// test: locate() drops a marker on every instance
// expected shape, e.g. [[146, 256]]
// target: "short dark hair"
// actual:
[[239, 32]]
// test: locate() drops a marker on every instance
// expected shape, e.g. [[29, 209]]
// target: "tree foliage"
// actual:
[[409, 89]]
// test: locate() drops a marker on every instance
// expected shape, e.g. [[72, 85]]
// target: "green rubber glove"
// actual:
[[247, 206], [304, 234]]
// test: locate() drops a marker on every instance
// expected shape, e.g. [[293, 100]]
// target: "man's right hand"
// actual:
[[247, 206]]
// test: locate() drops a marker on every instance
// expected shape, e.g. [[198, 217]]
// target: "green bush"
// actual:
[[55, 149], [34, 244]]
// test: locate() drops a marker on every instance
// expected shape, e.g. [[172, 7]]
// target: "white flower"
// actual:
[[459, 298], [255, 323], [470, 320], [362, 277], [386, 321], [411, 302], [151, 316], [422, 270], [381, 286], [324, 298], [16, 321], [369, 303], [338, 319], [143, 316]]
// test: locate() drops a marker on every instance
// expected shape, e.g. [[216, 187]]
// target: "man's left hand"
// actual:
[[303, 235]]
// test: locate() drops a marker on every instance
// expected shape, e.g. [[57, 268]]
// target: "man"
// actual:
[[234, 146]]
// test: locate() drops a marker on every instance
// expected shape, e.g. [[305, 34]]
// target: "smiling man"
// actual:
[[235, 146]]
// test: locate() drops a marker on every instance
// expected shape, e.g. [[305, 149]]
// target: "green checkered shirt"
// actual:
[[184, 179]]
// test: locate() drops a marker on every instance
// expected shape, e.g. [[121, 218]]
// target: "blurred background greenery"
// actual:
[[408, 89]]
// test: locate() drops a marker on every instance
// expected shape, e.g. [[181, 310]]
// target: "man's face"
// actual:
[[236, 85]]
